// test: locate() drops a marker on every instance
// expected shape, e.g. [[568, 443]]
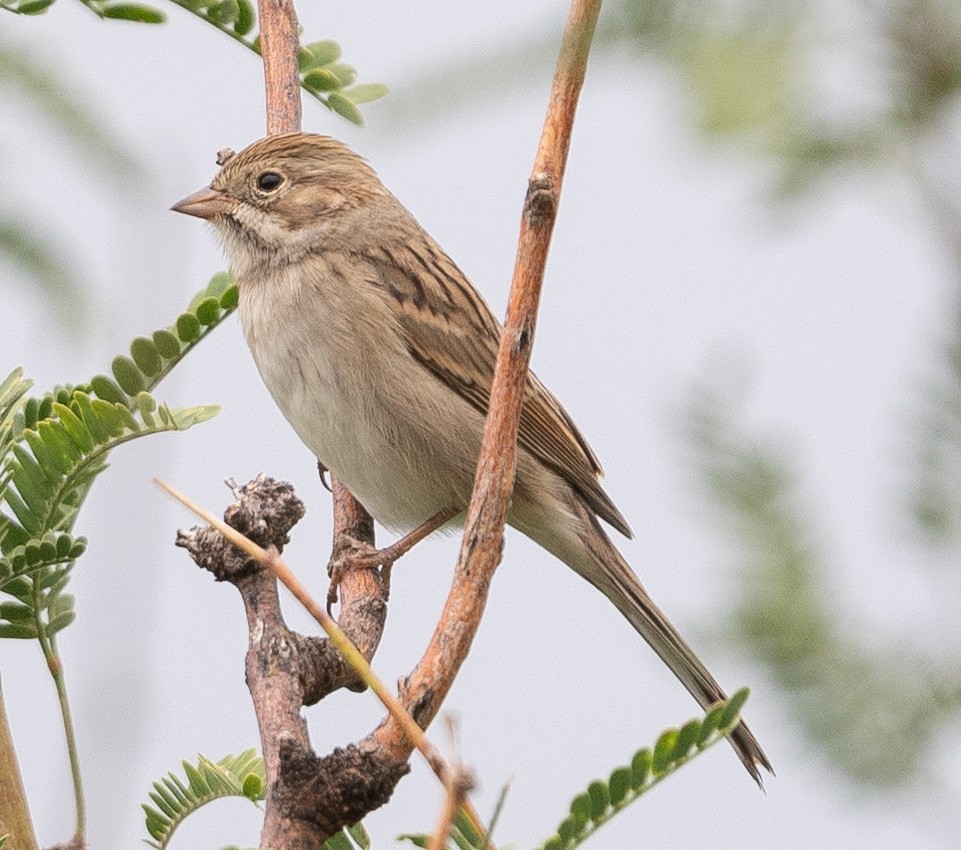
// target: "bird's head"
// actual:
[[283, 196]]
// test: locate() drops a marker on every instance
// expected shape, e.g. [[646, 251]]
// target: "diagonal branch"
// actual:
[[428, 684]]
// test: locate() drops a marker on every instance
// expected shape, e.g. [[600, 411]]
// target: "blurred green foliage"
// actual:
[[26, 245], [874, 709]]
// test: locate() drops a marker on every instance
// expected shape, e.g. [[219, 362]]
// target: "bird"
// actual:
[[380, 353]]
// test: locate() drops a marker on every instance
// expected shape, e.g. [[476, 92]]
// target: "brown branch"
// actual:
[[308, 798], [425, 688], [280, 48], [364, 592], [278, 669], [14, 810]]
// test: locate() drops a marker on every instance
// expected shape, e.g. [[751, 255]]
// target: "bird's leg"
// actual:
[[355, 555]]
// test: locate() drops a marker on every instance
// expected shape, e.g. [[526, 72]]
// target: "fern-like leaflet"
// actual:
[[673, 749], [174, 799], [602, 800], [53, 447], [322, 75]]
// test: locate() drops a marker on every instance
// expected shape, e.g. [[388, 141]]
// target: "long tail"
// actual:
[[602, 565]]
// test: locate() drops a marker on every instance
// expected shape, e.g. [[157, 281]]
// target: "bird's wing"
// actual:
[[427, 290]]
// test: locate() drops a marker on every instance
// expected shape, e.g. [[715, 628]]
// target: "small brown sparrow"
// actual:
[[381, 354]]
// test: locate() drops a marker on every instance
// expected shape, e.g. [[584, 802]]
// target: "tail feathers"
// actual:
[[611, 574]]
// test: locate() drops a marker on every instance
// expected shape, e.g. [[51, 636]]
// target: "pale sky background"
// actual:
[[664, 261]]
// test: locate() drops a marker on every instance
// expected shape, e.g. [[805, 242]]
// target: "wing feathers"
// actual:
[[432, 299]]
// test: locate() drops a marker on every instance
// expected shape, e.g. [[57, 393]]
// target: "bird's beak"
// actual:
[[206, 203]]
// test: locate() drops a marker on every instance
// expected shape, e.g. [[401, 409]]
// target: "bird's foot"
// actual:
[[353, 554]]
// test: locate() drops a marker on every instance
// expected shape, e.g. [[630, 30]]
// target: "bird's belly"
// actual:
[[403, 457], [399, 490]]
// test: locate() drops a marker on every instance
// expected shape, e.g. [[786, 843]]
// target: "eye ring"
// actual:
[[269, 181]]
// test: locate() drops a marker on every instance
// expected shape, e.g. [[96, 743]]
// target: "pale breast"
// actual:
[[335, 364]]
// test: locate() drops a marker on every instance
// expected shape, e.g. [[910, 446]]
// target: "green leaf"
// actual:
[[219, 284], [253, 787], [146, 355], [74, 426], [65, 545], [31, 412], [146, 405], [344, 108], [24, 466], [366, 92], [18, 631], [581, 807], [109, 417], [222, 13], [61, 458], [15, 612], [90, 419], [133, 12], [318, 53], [186, 417], [128, 375], [60, 622], [360, 836], [48, 548], [246, 18], [108, 389], [345, 73], [686, 739], [600, 799], [729, 718], [230, 297], [711, 723], [164, 800], [465, 833], [208, 311], [188, 327], [198, 785], [20, 588], [34, 7], [569, 829], [619, 784], [232, 776], [27, 518], [338, 841], [664, 751], [168, 345], [322, 80]]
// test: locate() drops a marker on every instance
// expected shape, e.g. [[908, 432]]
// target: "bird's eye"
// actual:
[[268, 181]]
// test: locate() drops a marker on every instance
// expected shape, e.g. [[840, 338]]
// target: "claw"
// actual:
[[323, 470]]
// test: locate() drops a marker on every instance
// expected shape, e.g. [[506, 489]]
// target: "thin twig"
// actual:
[[459, 783]]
